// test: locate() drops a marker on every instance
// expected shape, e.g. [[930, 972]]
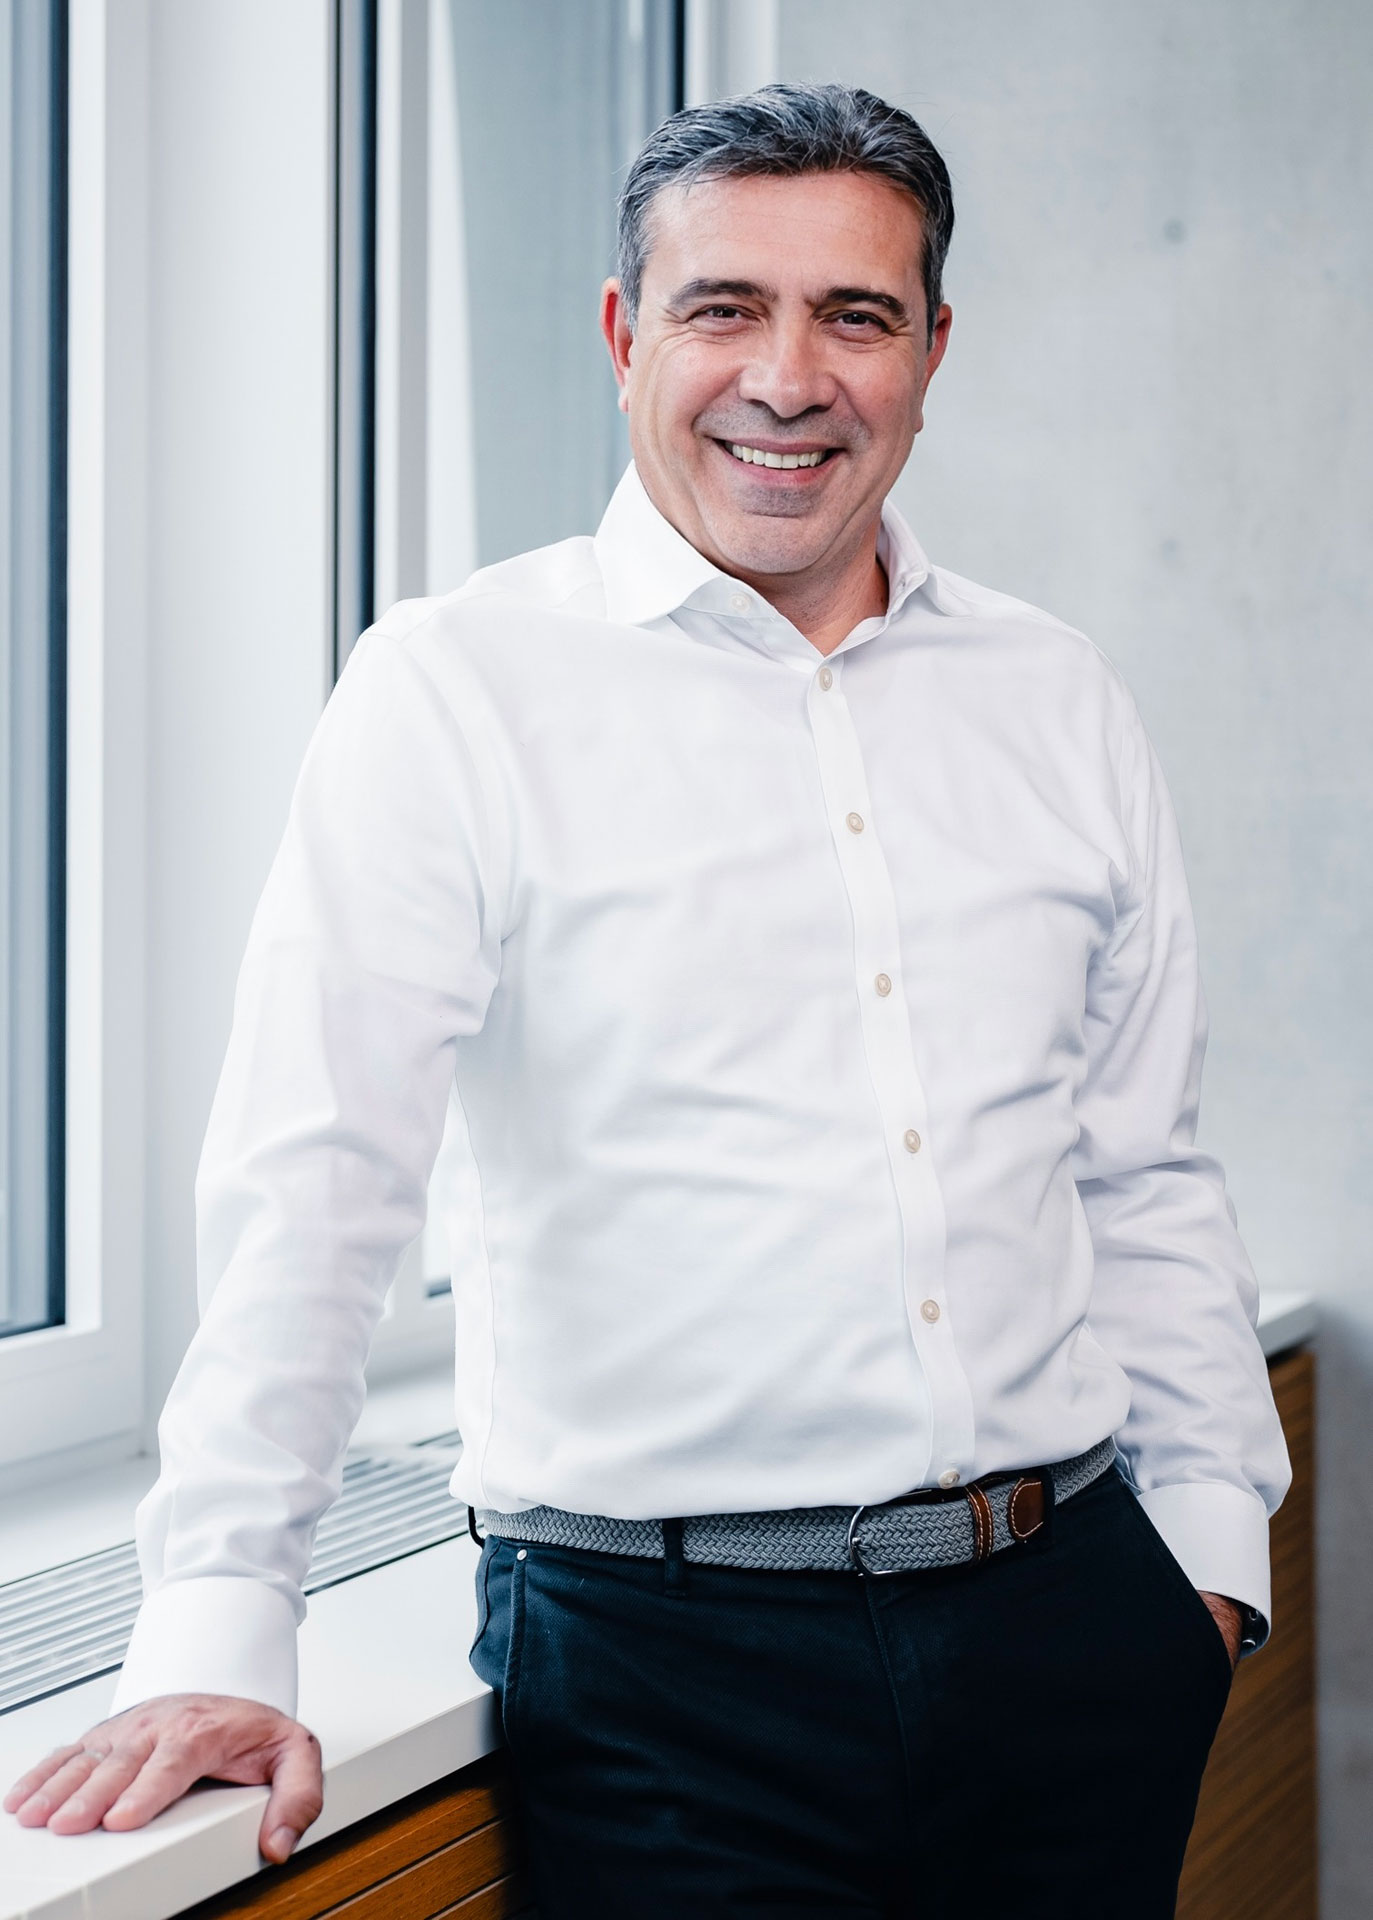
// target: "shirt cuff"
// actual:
[[225, 1635], [1218, 1534]]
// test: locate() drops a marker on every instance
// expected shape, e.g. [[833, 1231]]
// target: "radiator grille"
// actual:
[[70, 1623]]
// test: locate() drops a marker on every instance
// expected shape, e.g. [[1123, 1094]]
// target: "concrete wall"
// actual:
[[1156, 420]]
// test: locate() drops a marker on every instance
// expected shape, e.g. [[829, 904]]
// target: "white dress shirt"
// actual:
[[827, 1034]]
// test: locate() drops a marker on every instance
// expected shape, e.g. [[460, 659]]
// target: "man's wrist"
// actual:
[[1242, 1627], [1229, 1622]]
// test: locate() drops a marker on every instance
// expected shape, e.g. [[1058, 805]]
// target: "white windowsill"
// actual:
[[394, 1709]]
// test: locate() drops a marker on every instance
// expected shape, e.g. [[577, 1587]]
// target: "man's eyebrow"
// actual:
[[866, 297], [721, 289], [705, 289]]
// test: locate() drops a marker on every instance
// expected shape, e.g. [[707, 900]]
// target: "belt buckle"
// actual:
[[918, 1497], [856, 1560], [978, 1506]]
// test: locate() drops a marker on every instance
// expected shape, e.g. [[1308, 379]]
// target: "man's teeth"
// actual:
[[754, 456]]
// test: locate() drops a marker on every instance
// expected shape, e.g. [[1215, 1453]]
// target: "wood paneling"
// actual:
[[1253, 1849], [496, 1902], [450, 1853], [448, 1850]]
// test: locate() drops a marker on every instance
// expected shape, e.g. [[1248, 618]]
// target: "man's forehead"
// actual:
[[830, 229]]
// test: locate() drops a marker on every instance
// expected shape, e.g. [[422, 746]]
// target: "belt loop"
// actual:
[[674, 1559], [1030, 1509], [983, 1525], [1045, 1537]]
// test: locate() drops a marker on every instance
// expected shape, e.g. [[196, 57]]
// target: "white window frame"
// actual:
[[82, 1394], [88, 1392], [65, 1388]]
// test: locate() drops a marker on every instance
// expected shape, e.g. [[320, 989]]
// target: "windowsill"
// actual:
[[394, 1710]]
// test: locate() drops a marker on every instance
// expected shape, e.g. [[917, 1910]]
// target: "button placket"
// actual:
[[891, 1065]]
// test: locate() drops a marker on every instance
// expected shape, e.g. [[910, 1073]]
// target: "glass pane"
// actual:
[[548, 106], [32, 654]]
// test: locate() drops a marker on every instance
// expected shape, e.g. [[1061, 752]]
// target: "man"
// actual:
[[803, 932]]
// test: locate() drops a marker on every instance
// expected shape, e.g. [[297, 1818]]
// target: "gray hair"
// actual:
[[785, 130]]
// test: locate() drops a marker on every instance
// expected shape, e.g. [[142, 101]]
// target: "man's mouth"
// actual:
[[762, 457]]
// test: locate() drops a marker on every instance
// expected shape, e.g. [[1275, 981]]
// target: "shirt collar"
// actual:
[[649, 570]]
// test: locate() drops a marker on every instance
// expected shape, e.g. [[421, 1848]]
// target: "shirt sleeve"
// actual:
[[374, 948], [1174, 1299]]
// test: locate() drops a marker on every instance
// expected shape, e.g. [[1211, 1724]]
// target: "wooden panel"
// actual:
[[481, 1860], [1253, 1849], [473, 1803], [498, 1902]]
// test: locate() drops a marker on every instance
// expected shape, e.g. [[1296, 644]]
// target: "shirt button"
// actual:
[[826, 679], [855, 822], [929, 1310], [949, 1477], [912, 1140], [740, 602], [883, 985]]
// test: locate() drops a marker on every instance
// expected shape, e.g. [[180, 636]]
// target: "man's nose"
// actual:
[[787, 371]]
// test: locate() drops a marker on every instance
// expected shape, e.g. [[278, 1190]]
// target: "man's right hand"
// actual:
[[127, 1769]]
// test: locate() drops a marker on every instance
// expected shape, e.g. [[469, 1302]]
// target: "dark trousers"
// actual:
[[1022, 1740]]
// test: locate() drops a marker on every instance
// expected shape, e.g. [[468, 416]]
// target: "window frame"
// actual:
[[75, 1385], [33, 564]]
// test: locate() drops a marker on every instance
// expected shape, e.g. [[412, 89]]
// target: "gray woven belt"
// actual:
[[930, 1528]]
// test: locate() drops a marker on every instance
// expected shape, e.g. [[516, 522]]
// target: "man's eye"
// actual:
[[856, 322], [718, 313]]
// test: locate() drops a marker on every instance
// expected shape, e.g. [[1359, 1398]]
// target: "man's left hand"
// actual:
[[1229, 1619]]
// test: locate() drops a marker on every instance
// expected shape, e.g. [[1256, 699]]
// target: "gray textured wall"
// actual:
[[1155, 420]]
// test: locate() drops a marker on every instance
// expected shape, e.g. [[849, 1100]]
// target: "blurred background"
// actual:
[[298, 316]]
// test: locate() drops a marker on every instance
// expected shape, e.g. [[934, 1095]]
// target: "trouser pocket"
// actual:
[[1188, 1600], [500, 1620]]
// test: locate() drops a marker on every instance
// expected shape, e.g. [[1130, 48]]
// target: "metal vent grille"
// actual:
[[72, 1622]]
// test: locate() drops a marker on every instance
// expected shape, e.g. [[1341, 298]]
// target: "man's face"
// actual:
[[778, 318]]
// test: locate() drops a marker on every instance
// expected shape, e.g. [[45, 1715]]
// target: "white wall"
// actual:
[[1156, 420], [238, 532]]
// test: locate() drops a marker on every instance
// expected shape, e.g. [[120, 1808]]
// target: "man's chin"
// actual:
[[772, 543]]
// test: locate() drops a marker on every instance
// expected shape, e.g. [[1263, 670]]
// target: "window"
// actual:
[[501, 135], [190, 457], [32, 660]]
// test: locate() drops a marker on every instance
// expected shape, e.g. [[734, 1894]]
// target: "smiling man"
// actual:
[[856, 1365]]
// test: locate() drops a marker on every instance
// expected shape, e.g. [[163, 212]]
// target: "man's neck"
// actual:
[[827, 612]]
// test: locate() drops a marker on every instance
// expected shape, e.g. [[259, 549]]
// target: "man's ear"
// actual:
[[939, 340], [618, 338], [934, 353]]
